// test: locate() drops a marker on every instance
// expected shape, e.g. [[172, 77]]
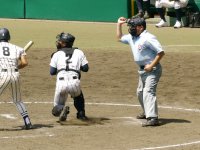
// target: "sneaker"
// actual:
[[162, 23], [141, 116], [64, 113], [28, 126], [177, 25], [81, 115], [150, 122]]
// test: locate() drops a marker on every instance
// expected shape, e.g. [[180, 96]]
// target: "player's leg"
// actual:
[[74, 89], [149, 96], [16, 94], [147, 11], [178, 10], [79, 104], [161, 12], [60, 98], [4, 81], [140, 98], [139, 4]]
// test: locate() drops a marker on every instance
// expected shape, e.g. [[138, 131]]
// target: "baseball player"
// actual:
[[176, 4], [147, 53], [67, 63], [12, 58]]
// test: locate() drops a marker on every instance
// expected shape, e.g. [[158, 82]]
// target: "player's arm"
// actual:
[[22, 62], [120, 22], [85, 68], [156, 60], [53, 71]]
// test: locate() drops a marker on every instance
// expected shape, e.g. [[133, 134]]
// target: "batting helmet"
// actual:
[[4, 34]]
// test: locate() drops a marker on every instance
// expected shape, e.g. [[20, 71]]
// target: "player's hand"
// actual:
[[148, 68], [121, 20]]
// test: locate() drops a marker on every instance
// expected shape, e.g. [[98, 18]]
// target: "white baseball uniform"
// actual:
[[171, 4], [68, 82], [9, 75]]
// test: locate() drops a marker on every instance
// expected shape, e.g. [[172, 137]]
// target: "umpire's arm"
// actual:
[[120, 22]]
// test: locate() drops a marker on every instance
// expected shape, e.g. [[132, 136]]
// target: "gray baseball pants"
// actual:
[[146, 90]]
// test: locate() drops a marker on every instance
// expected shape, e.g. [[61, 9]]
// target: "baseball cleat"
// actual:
[[150, 122], [64, 113], [28, 126], [81, 116]]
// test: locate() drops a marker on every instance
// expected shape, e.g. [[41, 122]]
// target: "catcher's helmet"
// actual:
[[4, 34], [136, 21], [65, 37]]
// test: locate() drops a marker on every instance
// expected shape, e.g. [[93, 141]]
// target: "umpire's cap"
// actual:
[[136, 21], [4, 34], [66, 37]]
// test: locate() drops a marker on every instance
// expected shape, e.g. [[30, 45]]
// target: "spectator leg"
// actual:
[[161, 12]]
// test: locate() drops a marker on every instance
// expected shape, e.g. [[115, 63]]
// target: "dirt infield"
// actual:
[[109, 89]]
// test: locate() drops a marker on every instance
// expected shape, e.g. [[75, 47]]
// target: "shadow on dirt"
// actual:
[[163, 121], [90, 121], [18, 128]]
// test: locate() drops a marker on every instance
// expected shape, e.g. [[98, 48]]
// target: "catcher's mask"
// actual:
[[4, 34], [133, 23], [65, 38]]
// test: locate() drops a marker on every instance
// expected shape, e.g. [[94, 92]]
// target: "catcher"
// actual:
[[67, 63]]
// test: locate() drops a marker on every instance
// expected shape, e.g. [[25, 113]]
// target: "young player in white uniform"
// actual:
[[12, 58], [147, 52], [67, 63], [176, 4]]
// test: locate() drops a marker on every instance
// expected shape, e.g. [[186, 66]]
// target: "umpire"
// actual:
[[147, 52], [67, 63]]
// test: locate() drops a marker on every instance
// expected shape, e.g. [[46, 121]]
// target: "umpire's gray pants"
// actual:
[[146, 90]]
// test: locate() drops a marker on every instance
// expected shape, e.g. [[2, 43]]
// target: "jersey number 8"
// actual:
[[6, 51]]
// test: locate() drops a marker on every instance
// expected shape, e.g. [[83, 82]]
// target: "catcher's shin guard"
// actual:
[[79, 102]]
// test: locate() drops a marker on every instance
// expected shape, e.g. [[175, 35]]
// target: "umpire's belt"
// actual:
[[6, 70], [142, 67]]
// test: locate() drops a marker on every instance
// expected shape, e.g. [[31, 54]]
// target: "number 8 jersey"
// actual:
[[9, 55]]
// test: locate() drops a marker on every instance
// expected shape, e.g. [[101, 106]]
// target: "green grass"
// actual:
[[93, 36]]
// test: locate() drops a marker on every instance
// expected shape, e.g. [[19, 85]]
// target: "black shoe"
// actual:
[[81, 115], [141, 116], [151, 122], [140, 14], [64, 113], [28, 126]]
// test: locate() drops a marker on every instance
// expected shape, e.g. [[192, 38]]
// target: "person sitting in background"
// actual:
[[143, 8], [176, 4]]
